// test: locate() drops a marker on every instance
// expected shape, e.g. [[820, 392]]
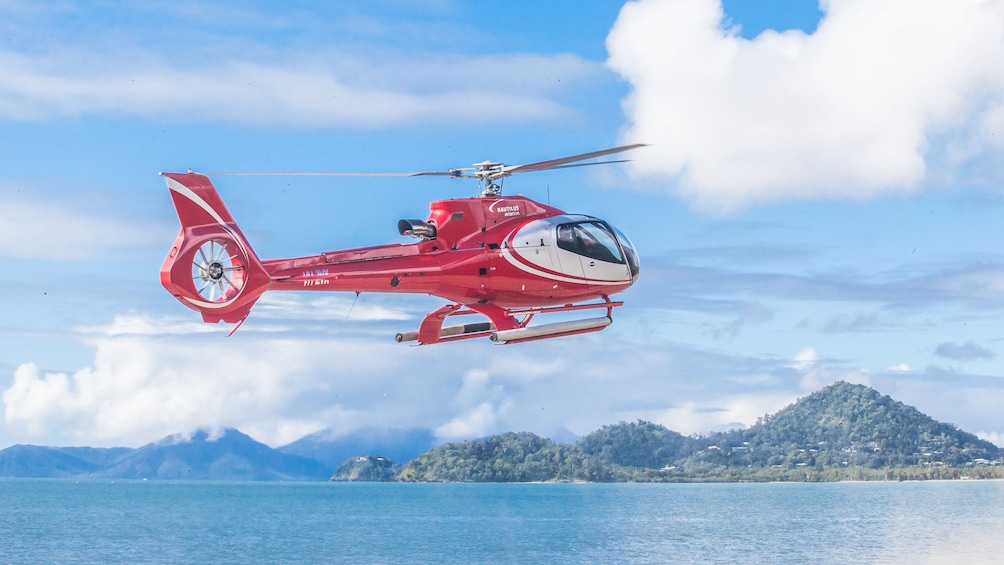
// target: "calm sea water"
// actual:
[[64, 521]]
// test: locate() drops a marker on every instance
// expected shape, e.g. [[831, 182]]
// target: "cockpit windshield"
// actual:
[[629, 251], [598, 240], [592, 239]]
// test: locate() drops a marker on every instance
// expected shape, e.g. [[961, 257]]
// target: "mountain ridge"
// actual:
[[201, 455], [841, 432]]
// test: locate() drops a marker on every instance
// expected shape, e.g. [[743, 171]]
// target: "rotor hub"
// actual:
[[215, 271]]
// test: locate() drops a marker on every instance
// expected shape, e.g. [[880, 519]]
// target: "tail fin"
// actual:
[[211, 268]]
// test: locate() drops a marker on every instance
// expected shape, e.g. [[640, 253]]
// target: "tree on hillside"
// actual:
[[510, 457], [638, 444]]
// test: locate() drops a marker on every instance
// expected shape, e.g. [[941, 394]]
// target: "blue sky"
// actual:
[[820, 201]]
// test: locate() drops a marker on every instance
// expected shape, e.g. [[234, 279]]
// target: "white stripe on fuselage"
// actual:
[[507, 253]]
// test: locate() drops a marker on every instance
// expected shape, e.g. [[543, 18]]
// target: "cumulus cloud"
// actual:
[[482, 404], [141, 387], [152, 377], [861, 106]]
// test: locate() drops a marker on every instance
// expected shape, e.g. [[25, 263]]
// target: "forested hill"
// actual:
[[640, 444], [855, 425], [844, 431], [510, 457]]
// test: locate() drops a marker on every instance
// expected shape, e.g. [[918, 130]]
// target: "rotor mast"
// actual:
[[487, 173]]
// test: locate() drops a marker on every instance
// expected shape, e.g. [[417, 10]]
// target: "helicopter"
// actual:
[[506, 258]]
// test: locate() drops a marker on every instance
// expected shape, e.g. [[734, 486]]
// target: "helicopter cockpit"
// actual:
[[595, 239], [576, 246]]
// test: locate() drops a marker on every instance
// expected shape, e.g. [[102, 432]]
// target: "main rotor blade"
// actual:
[[555, 163], [587, 164], [496, 171], [455, 173]]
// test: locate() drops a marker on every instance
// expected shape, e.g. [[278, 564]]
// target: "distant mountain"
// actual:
[[396, 444], [229, 456], [55, 462]]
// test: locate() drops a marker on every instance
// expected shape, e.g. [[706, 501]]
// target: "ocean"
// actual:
[[68, 521]]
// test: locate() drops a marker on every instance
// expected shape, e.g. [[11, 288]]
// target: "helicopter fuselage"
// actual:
[[510, 251]]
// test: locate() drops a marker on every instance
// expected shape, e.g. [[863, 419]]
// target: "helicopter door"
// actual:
[[569, 262]]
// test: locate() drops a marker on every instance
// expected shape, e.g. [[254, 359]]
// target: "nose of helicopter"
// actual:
[[630, 253]]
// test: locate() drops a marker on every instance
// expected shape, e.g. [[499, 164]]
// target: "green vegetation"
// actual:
[[367, 468], [843, 432], [639, 444], [510, 457], [851, 425]]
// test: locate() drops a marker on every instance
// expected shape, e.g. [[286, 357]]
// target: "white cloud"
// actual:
[[33, 226], [482, 406], [724, 413], [150, 377], [135, 324], [341, 307], [141, 387], [856, 108], [816, 373], [313, 90], [476, 422]]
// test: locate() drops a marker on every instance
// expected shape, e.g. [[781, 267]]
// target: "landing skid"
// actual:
[[507, 325]]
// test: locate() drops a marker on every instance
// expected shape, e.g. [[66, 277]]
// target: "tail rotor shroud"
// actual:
[[211, 267], [218, 271]]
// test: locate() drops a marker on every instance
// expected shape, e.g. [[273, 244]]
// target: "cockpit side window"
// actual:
[[592, 239]]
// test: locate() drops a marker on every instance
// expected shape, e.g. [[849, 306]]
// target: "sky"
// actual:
[[819, 201]]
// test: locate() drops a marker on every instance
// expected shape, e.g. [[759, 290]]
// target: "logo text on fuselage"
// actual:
[[506, 211]]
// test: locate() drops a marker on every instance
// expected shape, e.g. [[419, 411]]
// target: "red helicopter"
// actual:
[[507, 258]]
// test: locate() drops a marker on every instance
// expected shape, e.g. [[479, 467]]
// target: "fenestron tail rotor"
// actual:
[[486, 173], [217, 271]]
